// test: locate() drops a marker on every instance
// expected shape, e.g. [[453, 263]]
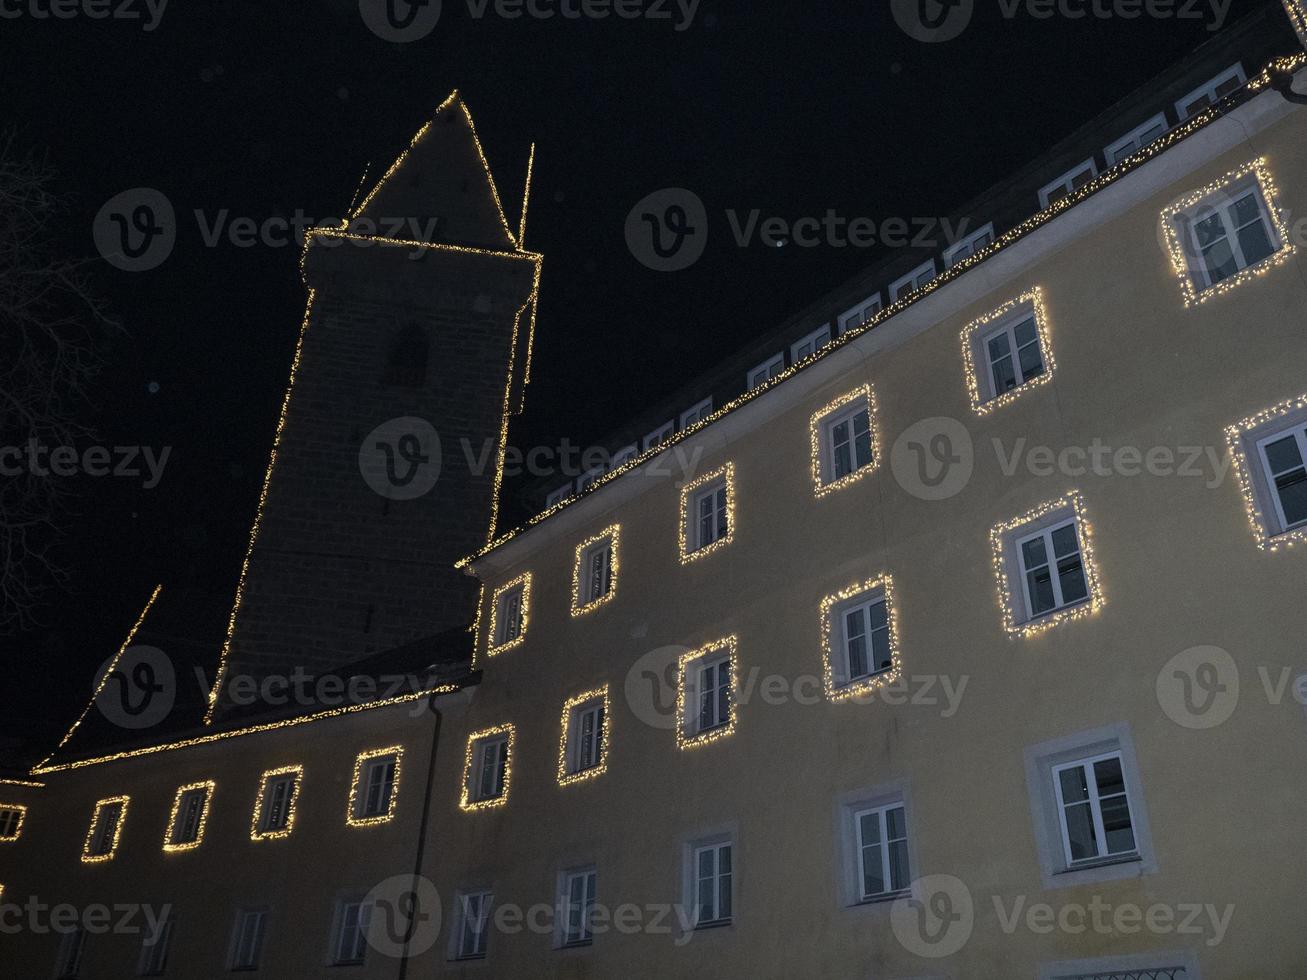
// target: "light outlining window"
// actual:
[[274, 824], [685, 737], [1261, 512], [1011, 595], [690, 547], [832, 634], [468, 802], [1176, 228], [826, 476], [981, 386], [102, 839], [508, 623], [12, 816], [185, 830], [356, 815], [594, 572], [573, 743]]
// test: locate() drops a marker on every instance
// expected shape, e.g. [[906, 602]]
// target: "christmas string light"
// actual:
[[727, 474], [521, 244], [21, 782], [21, 810], [399, 160], [867, 685], [352, 815], [523, 582], [1174, 216], [172, 845], [260, 801], [684, 739], [96, 816], [815, 426], [1240, 445], [1286, 64], [466, 803], [1009, 598], [490, 177], [1034, 300], [1298, 16], [566, 778], [580, 606]]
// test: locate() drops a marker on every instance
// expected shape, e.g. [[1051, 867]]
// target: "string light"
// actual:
[[1174, 215], [684, 739], [96, 816], [971, 346], [169, 843], [468, 804], [815, 427], [22, 815], [399, 160], [521, 244], [523, 582], [1109, 176], [566, 778], [1009, 598], [580, 606], [726, 474], [1237, 437], [22, 782], [276, 833], [352, 815], [858, 688], [131, 635], [1298, 16]]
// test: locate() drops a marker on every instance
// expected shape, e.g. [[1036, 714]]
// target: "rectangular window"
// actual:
[[558, 496], [274, 814], [509, 614], [977, 241], [860, 641], [247, 939], [351, 944], [843, 440], [154, 949], [1282, 456], [705, 697], [191, 812], [707, 513], [1211, 92], [713, 874], [1070, 182], [623, 455], [810, 344], [69, 963], [858, 315], [589, 478], [659, 435], [711, 519], [1269, 450], [767, 370], [1013, 354], [473, 931], [692, 416], [882, 845], [914, 280], [1052, 572], [374, 791], [1094, 810], [865, 636], [105, 830], [1138, 138], [11, 821], [577, 905], [594, 574], [585, 737], [487, 768]]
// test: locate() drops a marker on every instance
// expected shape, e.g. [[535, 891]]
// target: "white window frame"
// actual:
[[503, 603], [558, 496], [916, 280], [719, 886], [268, 803], [848, 806], [589, 478], [1198, 266], [720, 660], [696, 413], [576, 738], [155, 948], [104, 836], [623, 455], [845, 413], [980, 238], [843, 674], [719, 514], [1246, 442], [588, 593], [659, 435], [764, 372], [1008, 325], [354, 933], [71, 947], [1135, 139], [566, 937], [818, 339], [235, 960], [1209, 88], [881, 813], [856, 316], [381, 772], [469, 928], [1298, 430], [1067, 182], [1046, 533], [1094, 802], [477, 792]]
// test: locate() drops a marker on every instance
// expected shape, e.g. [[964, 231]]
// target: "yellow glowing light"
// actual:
[[256, 833], [352, 816], [521, 244], [685, 739], [169, 842], [726, 474], [1034, 299], [18, 826], [96, 816], [466, 802], [815, 429], [1010, 598], [566, 778], [866, 685], [399, 160], [610, 535], [1298, 16], [1173, 216], [22, 782], [523, 582], [1260, 520]]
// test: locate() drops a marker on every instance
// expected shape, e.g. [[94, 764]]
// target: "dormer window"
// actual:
[[659, 435], [1211, 92], [913, 281], [696, 414], [856, 316], [1066, 185], [558, 496], [810, 344], [1134, 141], [966, 247], [767, 370]]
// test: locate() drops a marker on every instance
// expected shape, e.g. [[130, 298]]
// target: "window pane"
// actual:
[[1209, 230], [1283, 454], [898, 865], [999, 346], [1080, 832], [1033, 553], [1065, 541], [1246, 210], [1041, 591], [1071, 577], [1292, 488], [1219, 261], [1032, 363], [1116, 825], [1255, 242]]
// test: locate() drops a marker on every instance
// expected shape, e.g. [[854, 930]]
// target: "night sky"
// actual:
[[255, 110]]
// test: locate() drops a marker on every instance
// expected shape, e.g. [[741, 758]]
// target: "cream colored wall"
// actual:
[[1179, 568]]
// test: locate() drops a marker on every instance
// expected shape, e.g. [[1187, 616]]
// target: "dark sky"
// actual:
[[257, 109]]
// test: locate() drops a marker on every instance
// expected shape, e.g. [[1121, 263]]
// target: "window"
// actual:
[[843, 440], [375, 788], [767, 370], [1136, 139], [968, 246], [914, 280], [1282, 456], [509, 609], [810, 344], [105, 830], [861, 637], [698, 413], [190, 812], [247, 939], [713, 876], [1269, 451], [558, 496], [705, 700], [589, 478], [623, 455], [594, 573], [576, 901], [862, 313], [659, 435], [274, 813], [1007, 351], [1209, 93], [472, 910], [882, 838], [1070, 182], [584, 750], [707, 513], [1045, 566], [487, 768], [351, 945], [1094, 809], [154, 949], [11, 821], [69, 963]]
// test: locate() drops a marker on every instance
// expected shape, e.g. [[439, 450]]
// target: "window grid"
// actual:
[[352, 940], [1070, 182], [106, 828], [765, 371], [977, 241], [595, 571], [578, 901], [879, 641], [707, 504], [274, 809], [705, 693], [12, 816], [985, 393], [1138, 138], [247, 948], [861, 314], [915, 280], [696, 414], [374, 789], [882, 841], [810, 344], [583, 742], [713, 874], [487, 777], [1052, 569], [1245, 439], [840, 457], [1207, 95], [510, 610], [1094, 813], [473, 925]]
